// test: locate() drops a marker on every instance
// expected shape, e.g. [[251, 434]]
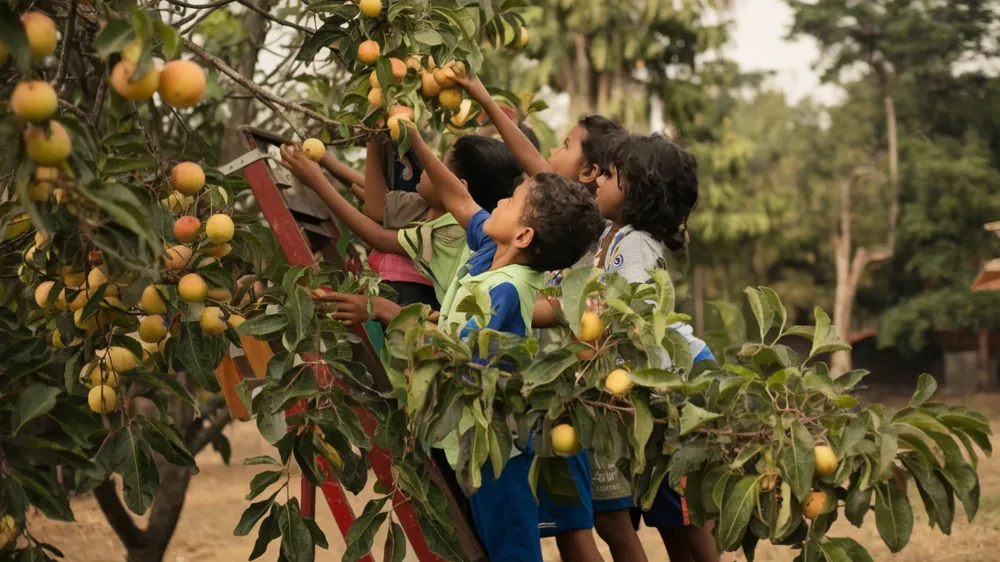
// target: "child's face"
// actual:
[[568, 160], [504, 225], [426, 190], [610, 195]]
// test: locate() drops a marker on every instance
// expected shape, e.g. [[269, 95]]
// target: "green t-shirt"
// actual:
[[437, 249]]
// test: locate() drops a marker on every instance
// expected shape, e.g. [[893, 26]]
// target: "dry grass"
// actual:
[[216, 500]]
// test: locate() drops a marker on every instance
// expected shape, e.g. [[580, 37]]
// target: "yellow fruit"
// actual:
[[177, 258], [370, 8], [102, 399], [220, 229], [152, 329], [140, 89], [176, 202], [564, 441], [314, 149], [235, 320], [395, 123], [429, 87], [463, 115], [523, 38], [95, 279], [368, 52], [118, 359], [591, 326], [445, 77], [375, 98], [187, 178], [99, 376], [192, 288], [88, 325], [586, 354], [42, 295], [41, 32], [182, 83], [70, 277], [47, 150], [813, 506], [618, 382], [79, 301], [220, 294], [8, 528], [458, 68], [186, 229], [450, 98], [211, 321], [398, 70], [33, 101], [132, 51], [152, 302], [218, 251], [826, 460], [768, 482]]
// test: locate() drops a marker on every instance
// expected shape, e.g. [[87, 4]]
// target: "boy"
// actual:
[[547, 224]]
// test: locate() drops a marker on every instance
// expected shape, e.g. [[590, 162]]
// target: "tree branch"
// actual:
[[121, 521], [207, 433], [68, 33], [81, 114], [274, 19]]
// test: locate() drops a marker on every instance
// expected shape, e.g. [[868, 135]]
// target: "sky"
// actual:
[[758, 43]]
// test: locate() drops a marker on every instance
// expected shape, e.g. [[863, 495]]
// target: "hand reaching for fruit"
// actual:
[[474, 86], [304, 169]]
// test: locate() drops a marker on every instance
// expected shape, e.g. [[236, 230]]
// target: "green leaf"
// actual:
[[199, 355], [113, 37], [252, 515], [420, 384], [269, 531], [362, 533], [301, 312], [849, 380], [821, 331], [428, 37], [264, 325], [15, 37], [798, 462], [935, 493], [789, 516], [296, 541], [745, 455], [576, 286], [261, 481], [853, 434], [272, 426], [926, 387], [893, 516], [693, 417], [548, 368], [854, 551], [776, 305], [48, 496], [132, 459], [165, 439], [762, 311], [37, 400], [642, 428], [395, 544], [171, 39], [858, 502], [737, 507], [659, 379]]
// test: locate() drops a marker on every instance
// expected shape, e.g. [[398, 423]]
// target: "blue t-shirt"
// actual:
[[505, 304]]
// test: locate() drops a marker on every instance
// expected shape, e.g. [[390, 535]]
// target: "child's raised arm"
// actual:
[[375, 188], [341, 171], [453, 192], [308, 172], [531, 161]]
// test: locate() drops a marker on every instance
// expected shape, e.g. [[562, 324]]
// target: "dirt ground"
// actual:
[[215, 502]]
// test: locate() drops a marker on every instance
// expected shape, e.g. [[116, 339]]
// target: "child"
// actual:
[[437, 245], [547, 224], [647, 195]]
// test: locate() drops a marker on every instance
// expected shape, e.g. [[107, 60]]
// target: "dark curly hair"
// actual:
[[565, 219], [660, 181], [602, 133], [488, 166]]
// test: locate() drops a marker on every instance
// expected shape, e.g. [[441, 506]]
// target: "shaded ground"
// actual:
[[216, 500]]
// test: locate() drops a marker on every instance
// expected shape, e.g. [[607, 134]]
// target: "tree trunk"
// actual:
[[581, 101], [890, 133], [843, 299], [242, 108], [618, 86], [698, 292], [603, 91]]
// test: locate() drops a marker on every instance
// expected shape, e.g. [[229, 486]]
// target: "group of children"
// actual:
[[498, 215]]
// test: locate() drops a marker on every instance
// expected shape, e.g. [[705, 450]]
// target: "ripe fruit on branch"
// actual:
[[176, 202], [182, 83], [370, 8], [218, 251], [177, 258], [445, 77], [8, 530], [140, 89], [186, 229], [42, 293], [152, 329], [313, 149], [88, 324], [375, 98], [47, 150], [429, 87], [102, 399], [41, 32], [396, 122], [220, 229], [97, 375], [235, 320], [564, 441], [402, 111], [192, 288], [450, 98], [187, 178], [591, 326], [211, 321], [220, 294], [71, 277], [398, 70], [826, 460], [523, 38], [813, 505], [118, 359], [152, 302], [33, 101], [368, 52], [463, 114], [618, 382]]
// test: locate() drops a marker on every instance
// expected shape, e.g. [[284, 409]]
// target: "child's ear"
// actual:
[[589, 174], [524, 237]]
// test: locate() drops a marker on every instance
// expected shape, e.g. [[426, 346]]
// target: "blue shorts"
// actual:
[[505, 513], [669, 510], [555, 518]]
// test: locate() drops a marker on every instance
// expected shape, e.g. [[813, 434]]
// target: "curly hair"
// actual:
[[601, 136], [660, 182], [488, 166], [565, 219]]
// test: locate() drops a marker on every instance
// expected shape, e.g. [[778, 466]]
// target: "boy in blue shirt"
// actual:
[[548, 224]]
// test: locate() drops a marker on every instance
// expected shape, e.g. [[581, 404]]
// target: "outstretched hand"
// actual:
[[474, 86], [349, 309], [304, 169]]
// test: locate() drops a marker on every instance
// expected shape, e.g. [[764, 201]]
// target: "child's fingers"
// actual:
[[346, 317]]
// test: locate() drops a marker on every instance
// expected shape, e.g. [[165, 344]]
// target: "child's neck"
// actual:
[[507, 255]]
